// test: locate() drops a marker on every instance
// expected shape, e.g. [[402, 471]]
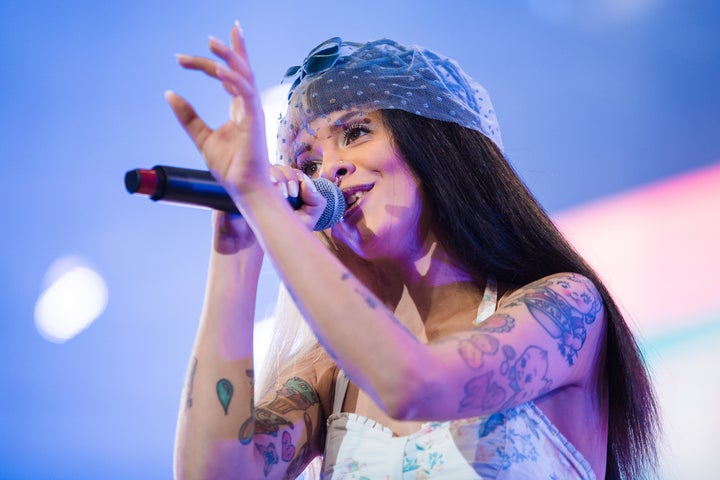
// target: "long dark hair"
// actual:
[[507, 234]]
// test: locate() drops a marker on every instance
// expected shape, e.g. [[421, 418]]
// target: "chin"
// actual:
[[371, 243]]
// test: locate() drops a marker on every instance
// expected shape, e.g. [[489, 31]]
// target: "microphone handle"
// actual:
[[186, 186]]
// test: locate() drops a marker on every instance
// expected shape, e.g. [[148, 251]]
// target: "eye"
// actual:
[[353, 132], [310, 168]]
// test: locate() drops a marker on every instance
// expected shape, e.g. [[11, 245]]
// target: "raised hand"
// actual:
[[236, 152]]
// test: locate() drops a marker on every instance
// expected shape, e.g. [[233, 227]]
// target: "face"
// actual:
[[354, 149]]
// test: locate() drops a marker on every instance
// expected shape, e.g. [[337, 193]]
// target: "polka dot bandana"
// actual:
[[381, 74]]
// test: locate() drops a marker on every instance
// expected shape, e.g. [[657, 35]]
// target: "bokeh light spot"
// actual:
[[75, 296]]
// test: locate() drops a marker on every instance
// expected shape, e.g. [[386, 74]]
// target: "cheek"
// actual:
[[404, 187], [403, 207]]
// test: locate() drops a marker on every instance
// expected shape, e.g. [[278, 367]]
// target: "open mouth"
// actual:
[[354, 195]]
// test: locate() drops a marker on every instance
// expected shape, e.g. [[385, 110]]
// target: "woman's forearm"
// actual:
[[218, 395], [348, 319]]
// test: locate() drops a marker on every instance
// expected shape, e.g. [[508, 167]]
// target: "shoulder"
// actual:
[[565, 290], [568, 307]]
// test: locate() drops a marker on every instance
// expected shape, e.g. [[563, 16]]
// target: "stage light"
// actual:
[[75, 297], [274, 102]]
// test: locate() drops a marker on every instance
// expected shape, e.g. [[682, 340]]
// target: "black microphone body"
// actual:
[[198, 187]]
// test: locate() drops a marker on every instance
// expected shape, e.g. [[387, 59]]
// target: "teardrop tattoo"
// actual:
[[225, 393]]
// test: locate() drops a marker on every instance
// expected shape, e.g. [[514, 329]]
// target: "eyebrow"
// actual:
[[339, 123]]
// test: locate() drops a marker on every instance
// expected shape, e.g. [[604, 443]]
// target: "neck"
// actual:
[[424, 289]]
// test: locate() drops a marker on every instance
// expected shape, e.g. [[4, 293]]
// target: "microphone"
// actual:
[[198, 187]]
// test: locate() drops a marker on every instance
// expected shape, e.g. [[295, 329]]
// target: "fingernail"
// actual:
[[180, 57], [310, 183], [215, 40], [284, 189], [239, 28], [168, 94], [293, 188]]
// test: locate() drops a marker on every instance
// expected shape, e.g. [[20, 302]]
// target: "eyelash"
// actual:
[[305, 167], [349, 135], [352, 129]]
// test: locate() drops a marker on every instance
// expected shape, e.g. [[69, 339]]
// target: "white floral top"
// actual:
[[519, 443]]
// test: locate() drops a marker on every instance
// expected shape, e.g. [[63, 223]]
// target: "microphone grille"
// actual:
[[335, 207]]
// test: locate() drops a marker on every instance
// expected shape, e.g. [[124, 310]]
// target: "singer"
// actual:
[[443, 329]]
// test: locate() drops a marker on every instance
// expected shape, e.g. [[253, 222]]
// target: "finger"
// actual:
[[208, 67], [234, 82], [285, 181], [237, 40], [188, 118], [293, 178], [205, 65], [309, 192], [236, 60]]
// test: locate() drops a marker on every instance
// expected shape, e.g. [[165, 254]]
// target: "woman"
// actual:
[[459, 335]]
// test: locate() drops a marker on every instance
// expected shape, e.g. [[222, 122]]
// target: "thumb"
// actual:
[[188, 118]]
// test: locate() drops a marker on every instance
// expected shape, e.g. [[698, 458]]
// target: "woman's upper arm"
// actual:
[[544, 336], [288, 422]]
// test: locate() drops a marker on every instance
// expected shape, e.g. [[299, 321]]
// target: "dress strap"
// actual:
[[341, 386], [489, 302]]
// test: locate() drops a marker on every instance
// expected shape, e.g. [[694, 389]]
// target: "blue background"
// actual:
[[593, 97]]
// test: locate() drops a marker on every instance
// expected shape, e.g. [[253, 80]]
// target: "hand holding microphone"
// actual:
[[199, 188], [237, 149]]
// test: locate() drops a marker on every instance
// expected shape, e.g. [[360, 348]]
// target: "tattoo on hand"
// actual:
[[225, 392]]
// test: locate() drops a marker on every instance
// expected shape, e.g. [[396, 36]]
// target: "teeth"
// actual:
[[355, 197]]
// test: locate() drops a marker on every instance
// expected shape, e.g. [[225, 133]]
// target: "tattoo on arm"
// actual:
[[373, 303], [247, 430], [189, 383], [269, 453], [225, 392], [526, 376], [473, 349], [564, 317], [363, 292], [288, 449], [295, 394], [304, 453], [498, 323], [563, 311], [482, 392]]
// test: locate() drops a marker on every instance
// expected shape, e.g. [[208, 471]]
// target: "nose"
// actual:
[[335, 169]]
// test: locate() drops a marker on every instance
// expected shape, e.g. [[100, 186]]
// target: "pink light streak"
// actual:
[[658, 248]]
